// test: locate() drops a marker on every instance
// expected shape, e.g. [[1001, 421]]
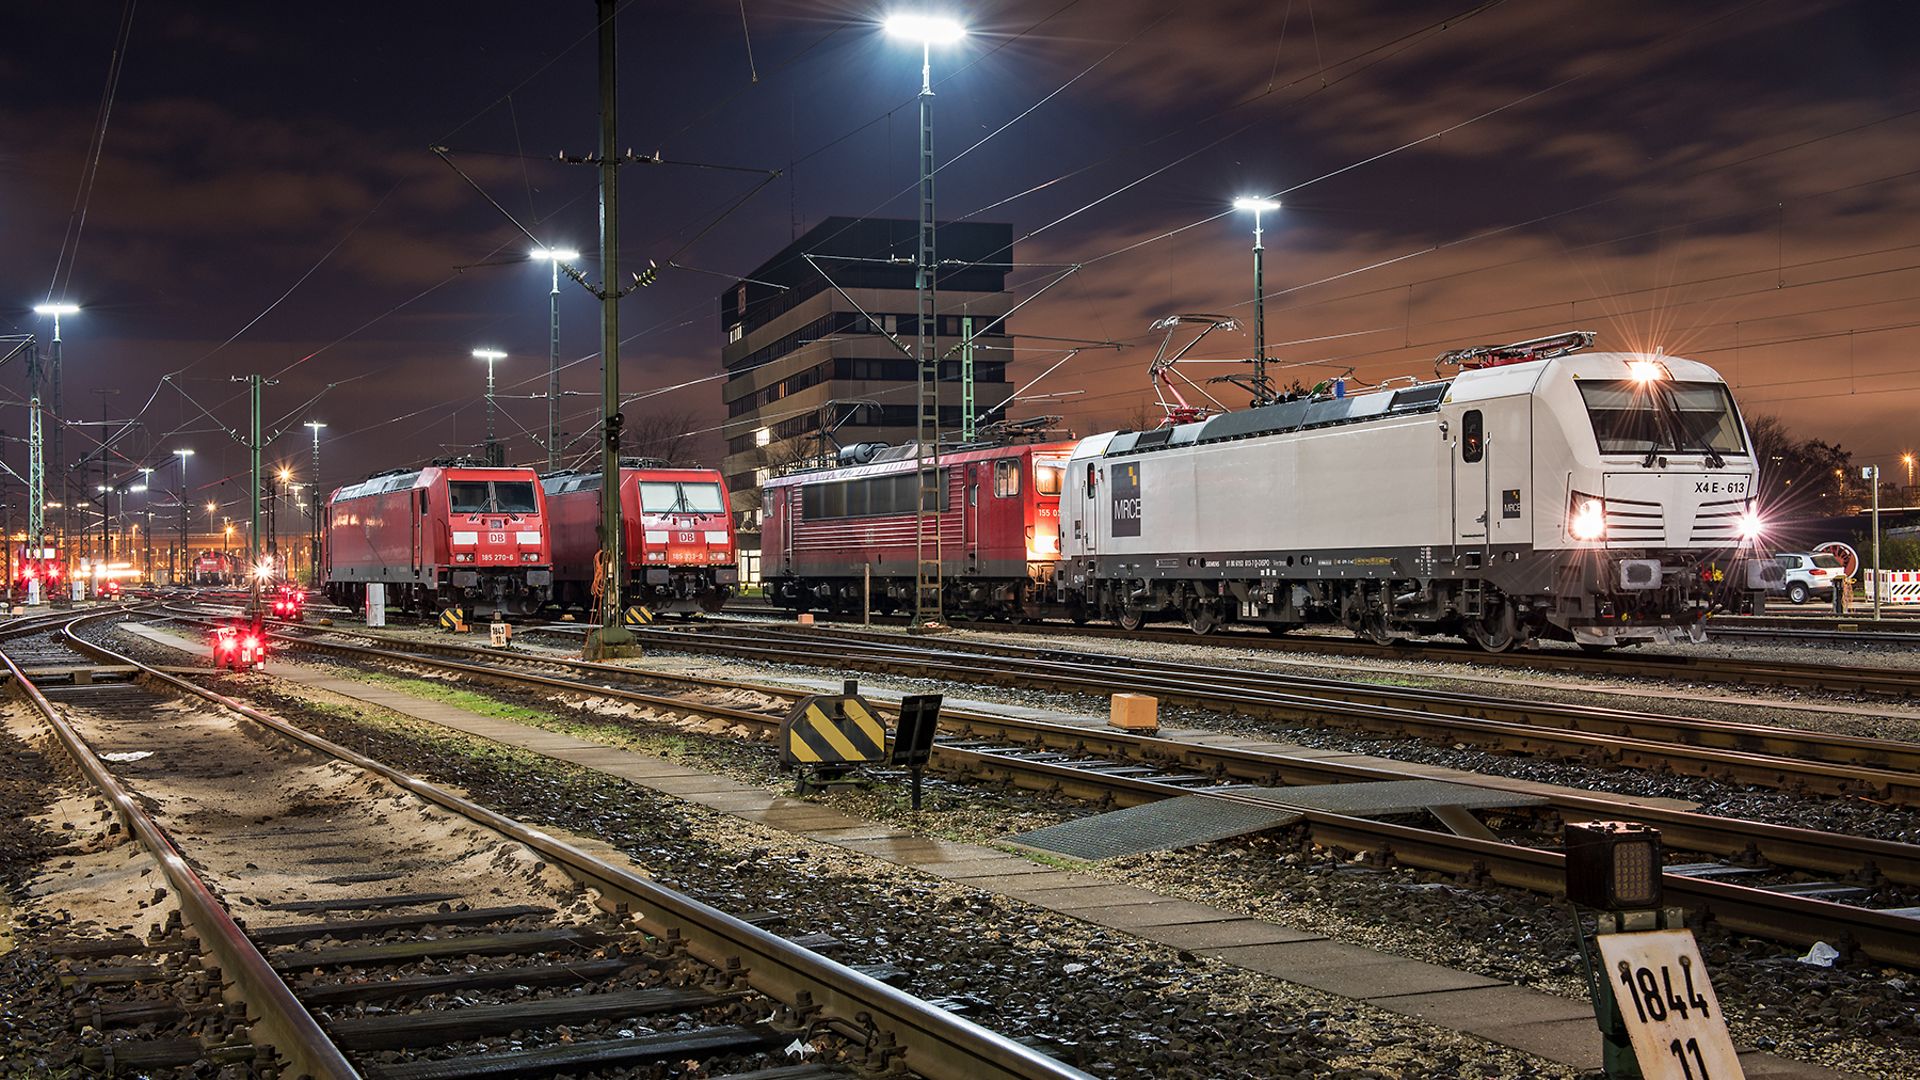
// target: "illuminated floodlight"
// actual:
[[212, 506], [1248, 202], [565, 255], [137, 489], [264, 571], [925, 29], [56, 309], [184, 453], [286, 475], [1646, 370], [489, 354]]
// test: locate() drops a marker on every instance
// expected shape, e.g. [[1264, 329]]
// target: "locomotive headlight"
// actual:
[[1646, 370], [1587, 519]]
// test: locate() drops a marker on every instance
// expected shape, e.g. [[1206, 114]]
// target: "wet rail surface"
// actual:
[[357, 963], [1102, 766]]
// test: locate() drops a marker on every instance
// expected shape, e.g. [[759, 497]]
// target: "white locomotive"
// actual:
[[1540, 491]]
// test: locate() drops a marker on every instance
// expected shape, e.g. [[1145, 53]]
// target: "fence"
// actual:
[[1901, 586]]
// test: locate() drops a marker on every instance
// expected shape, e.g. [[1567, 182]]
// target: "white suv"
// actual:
[[1808, 574]]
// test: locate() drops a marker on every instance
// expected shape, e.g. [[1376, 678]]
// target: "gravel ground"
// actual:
[[1864, 1017], [1111, 1004]]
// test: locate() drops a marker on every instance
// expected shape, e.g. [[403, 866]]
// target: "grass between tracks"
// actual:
[[953, 810]]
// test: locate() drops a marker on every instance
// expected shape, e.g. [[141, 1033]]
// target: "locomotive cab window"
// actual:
[[1473, 436], [423, 502], [1047, 476], [1006, 477], [670, 497], [513, 497], [467, 496], [1659, 416]]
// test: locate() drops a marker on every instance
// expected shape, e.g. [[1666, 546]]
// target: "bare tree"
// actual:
[[667, 435]]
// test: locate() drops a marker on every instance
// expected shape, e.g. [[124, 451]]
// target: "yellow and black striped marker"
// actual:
[[832, 729], [451, 619], [639, 615]]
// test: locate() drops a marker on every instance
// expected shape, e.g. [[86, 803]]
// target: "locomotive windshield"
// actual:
[[467, 496], [669, 497], [1664, 417], [513, 497], [1047, 476], [496, 497]]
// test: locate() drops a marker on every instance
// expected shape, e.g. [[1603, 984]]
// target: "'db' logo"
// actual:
[[1126, 500]]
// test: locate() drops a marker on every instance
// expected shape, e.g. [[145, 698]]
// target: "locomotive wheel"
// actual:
[[1203, 620], [1130, 619], [1495, 631], [1377, 629]]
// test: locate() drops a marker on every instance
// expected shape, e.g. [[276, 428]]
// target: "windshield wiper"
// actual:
[[1664, 403]]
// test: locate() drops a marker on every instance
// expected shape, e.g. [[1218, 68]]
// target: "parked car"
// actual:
[[1808, 573]]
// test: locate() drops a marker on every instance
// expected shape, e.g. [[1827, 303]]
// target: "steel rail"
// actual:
[[1776, 916], [1735, 766], [288, 1027], [931, 1041], [1820, 746], [1780, 845], [1837, 678]]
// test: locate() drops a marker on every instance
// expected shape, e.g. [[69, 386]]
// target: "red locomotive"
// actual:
[[999, 530], [441, 536], [677, 539], [217, 568]]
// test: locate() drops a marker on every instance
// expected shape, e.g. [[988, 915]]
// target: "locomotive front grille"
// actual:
[[1633, 523], [1718, 522]]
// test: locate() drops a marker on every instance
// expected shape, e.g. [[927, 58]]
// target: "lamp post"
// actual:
[[55, 310], [1871, 474], [313, 538], [1261, 392], [926, 31], [1907, 460], [490, 355], [146, 512], [183, 455], [554, 257]]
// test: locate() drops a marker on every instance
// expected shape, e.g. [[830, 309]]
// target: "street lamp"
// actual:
[[54, 310], [313, 539], [490, 355], [1907, 460], [183, 455], [927, 31], [1261, 393], [554, 256]]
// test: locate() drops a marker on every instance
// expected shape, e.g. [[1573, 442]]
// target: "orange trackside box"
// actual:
[[1135, 712]]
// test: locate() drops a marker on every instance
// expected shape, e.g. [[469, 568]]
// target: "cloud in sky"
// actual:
[[1639, 173]]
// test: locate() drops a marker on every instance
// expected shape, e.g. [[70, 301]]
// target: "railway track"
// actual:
[[1836, 678], [1121, 769], [682, 981], [1755, 754]]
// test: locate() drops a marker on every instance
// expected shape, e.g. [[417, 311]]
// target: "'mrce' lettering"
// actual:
[[1126, 509]]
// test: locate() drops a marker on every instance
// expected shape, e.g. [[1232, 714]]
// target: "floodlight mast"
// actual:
[[1262, 393], [554, 257], [927, 31]]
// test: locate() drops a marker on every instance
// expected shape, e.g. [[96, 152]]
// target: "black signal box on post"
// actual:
[[1613, 865], [913, 736]]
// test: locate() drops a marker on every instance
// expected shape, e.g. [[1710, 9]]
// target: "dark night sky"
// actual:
[[1734, 181]]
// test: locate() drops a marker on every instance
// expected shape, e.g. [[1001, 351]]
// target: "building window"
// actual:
[[762, 437]]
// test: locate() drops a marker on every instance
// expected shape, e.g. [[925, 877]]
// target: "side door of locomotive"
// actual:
[[1471, 483], [419, 516], [1088, 514]]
